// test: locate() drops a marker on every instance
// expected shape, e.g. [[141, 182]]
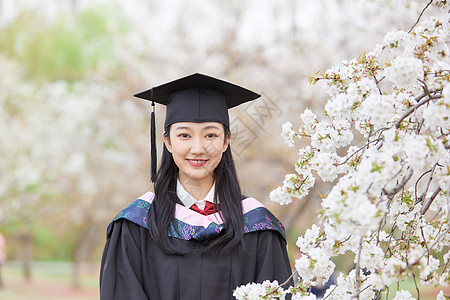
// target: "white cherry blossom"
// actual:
[[390, 202]]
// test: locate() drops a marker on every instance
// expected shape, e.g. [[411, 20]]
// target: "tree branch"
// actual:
[[399, 186], [428, 184], [419, 126], [417, 288], [412, 109], [432, 246], [360, 149], [390, 238], [408, 240], [376, 83], [428, 204], [420, 16], [330, 292], [357, 268], [416, 184], [287, 280], [425, 241]]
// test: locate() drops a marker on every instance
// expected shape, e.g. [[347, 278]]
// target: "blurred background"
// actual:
[[74, 143]]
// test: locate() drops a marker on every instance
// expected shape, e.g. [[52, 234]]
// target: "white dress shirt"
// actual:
[[188, 200]]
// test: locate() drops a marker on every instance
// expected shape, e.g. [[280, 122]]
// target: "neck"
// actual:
[[197, 188]]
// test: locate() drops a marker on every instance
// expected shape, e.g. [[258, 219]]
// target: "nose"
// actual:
[[197, 146]]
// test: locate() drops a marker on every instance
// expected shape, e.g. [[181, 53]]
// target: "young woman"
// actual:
[[195, 237]]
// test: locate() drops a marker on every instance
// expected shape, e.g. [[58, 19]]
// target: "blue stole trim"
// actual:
[[257, 219]]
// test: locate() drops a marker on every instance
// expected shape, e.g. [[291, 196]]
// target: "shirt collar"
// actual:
[[188, 200]]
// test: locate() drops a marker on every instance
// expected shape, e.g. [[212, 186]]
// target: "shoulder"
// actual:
[[258, 218], [135, 212]]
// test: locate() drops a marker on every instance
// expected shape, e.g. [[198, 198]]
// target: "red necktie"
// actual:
[[209, 208]]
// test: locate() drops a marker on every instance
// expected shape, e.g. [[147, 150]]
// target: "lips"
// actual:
[[197, 162]]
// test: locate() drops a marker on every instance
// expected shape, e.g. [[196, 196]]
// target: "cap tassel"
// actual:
[[153, 143]]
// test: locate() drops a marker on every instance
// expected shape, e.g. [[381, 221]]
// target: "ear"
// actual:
[[166, 140], [226, 142]]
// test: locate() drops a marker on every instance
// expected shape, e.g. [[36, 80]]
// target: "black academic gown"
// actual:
[[135, 268]]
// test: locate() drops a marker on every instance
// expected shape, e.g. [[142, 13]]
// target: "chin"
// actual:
[[198, 174]]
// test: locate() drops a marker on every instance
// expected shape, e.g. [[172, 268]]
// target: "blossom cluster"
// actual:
[[256, 291], [272, 291], [385, 143]]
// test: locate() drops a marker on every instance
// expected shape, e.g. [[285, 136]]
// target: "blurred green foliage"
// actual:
[[67, 47], [52, 246], [48, 243]]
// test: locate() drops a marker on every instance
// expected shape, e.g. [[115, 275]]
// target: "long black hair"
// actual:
[[227, 190]]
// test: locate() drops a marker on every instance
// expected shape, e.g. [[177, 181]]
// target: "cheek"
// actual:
[[178, 147], [215, 150]]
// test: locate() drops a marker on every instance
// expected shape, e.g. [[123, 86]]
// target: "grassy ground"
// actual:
[[50, 281]]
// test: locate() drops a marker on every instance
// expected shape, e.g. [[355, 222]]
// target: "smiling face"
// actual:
[[197, 149]]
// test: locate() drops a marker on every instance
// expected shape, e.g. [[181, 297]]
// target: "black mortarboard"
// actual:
[[194, 98]]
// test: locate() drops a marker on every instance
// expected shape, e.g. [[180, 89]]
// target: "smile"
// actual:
[[197, 162]]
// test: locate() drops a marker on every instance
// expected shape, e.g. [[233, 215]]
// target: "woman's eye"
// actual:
[[183, 135], [211, 135]]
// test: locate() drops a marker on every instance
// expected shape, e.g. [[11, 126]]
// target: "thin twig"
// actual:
[[440, 73], [363, 147], [365, 288], [448, 200], [445, 267], [417, 288], [409, 239], [399, 186], [284, 283], [382, 224], [287, 280], [415, 107], [418, 19], [417, 183], [432, 246], [357, 268], [419, 127], [376, 83], [390, 238], [443, 134], [330, 292], [427, 205], [440, 229], [428, 183], [425, 241], [424, 87], [378, 295]]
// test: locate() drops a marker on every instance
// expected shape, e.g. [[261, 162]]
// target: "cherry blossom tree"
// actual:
[[384, 142]]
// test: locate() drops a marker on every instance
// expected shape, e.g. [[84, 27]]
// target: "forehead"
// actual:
[[197, 126]]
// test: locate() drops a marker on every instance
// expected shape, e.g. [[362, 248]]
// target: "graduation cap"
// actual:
[[194, 98]]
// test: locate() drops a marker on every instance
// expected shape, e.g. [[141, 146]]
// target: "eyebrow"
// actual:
[[211, 127], [189, 128], [182, 128]]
